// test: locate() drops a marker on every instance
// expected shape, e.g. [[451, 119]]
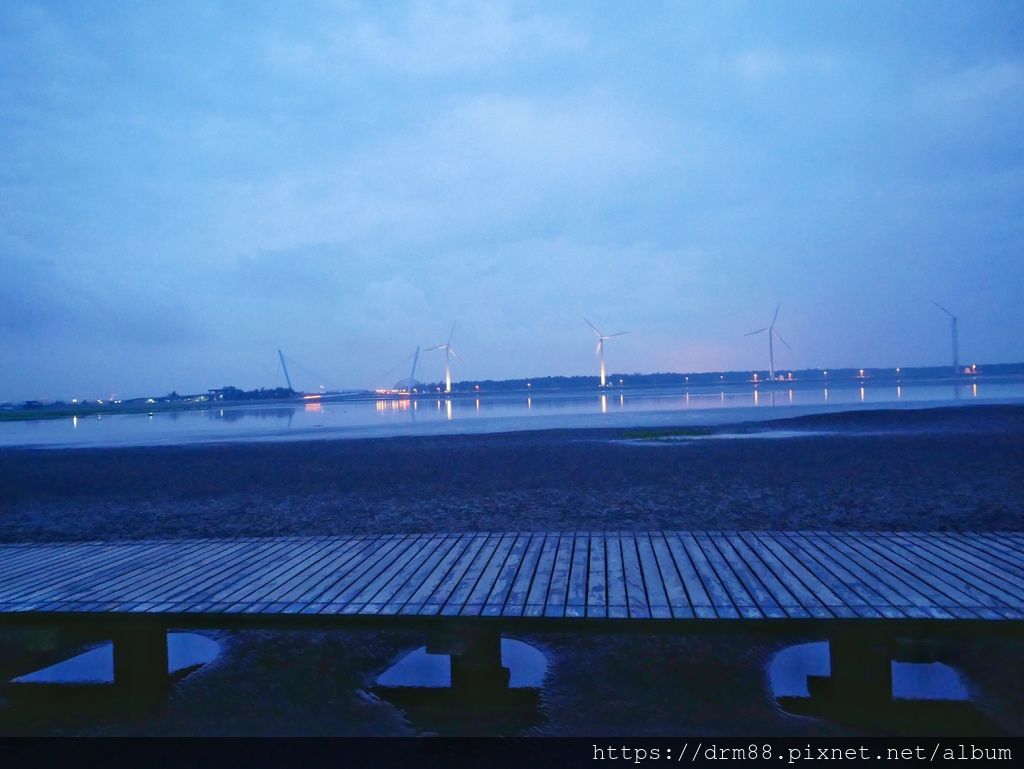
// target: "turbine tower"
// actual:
[[449, 351], [956, 338], [772, 336], [600, 346]]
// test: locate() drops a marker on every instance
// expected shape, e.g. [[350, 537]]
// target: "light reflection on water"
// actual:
[[485, 413], [96, 666], [790, 668]]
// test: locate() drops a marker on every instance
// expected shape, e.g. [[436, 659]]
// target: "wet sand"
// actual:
[[945, 469]]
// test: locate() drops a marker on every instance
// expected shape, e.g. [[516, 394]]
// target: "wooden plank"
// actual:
[[618, 606], [558, 588], [698, 596], [904, 599], [437, 576], [597, 578], [365, 589], [576, 594], [507, 576], [276, 575], [716, 591], [809, 602], [301, 591], [657, 596], [383, 600], [542, 577], [473, 602], [69, 577], [981, 571], [975, 575], [738, 594], [702, 575], [791, 607], [404, 594], [342, 572], [758, 592], [40, 568], [636, 589], [808, 578], [515, 604], [439, 597], [864, 601], [954, 591], [277, 595], [922, 603], [376, 570], [942, 596], [257, 568], [463, 586], [679, 603], [130, 582], [194, 570], [990, 549]]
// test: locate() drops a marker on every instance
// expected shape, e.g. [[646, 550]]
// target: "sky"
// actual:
[[187, 187]]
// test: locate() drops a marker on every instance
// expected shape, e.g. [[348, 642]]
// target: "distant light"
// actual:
[[824, 373], [897, 369], [528, 384], [477, 387]]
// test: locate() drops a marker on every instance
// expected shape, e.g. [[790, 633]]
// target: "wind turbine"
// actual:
[[600, 346], [956, 339], [449, 351], [772, 335]]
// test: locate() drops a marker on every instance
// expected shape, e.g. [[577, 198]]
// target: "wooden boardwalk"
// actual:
[[650, 576]]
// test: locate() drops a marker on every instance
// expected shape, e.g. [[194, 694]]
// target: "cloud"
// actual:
[[975, 86], [757, 64], [42, 298], [434, 39], [485, 163]]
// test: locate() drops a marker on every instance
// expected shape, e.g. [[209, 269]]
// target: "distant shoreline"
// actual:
[[991, 373]]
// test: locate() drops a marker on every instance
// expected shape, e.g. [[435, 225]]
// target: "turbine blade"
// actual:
[[436, 347], [759, 331], [451, 333], [593, 327], [779, 337], [452, 351], [597, 350], [620, 333], [775, 317], [943, 309]]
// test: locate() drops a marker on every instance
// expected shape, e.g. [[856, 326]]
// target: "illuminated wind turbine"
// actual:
[[449, 351], [600, 346], [772, 335], [956, 340]]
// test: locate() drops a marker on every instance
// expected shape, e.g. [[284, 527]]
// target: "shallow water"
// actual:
[[96, 666], [525, 663], [789, 669], [379, 417]]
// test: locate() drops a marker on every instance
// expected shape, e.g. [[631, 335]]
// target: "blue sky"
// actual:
[[187, 188]]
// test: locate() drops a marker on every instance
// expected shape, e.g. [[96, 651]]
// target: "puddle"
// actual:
[[484, 701], [96, 666], [421, 668], [789, 669], [925, 696], [682, 440]]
